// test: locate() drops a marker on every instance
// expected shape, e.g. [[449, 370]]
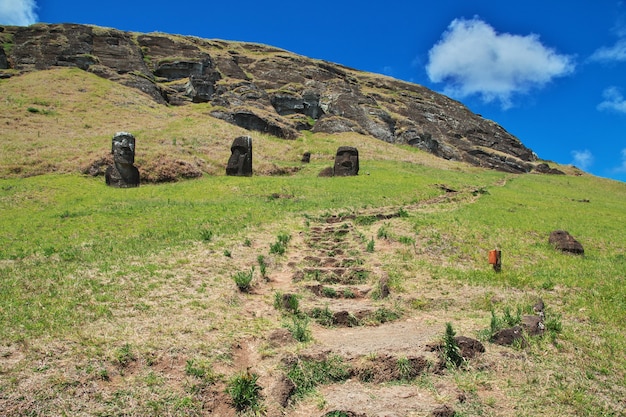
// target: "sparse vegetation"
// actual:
[[383, 232], [125, 355], [451, 350], [323, 316], [288, 302], [280, 246], [299, 328], [243, 279], [384, 315], [245, 393], [201, 369], [329, 292], [262, 266], [308, 374], [405, 368], [206, 235]]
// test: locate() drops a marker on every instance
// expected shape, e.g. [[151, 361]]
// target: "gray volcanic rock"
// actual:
[[270, 90]]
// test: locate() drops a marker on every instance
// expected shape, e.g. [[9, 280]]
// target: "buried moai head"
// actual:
[[122, 173], [240, 161], [563, 241], [346, 162]]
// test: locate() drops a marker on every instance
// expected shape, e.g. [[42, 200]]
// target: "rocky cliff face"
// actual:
[[267, 89]]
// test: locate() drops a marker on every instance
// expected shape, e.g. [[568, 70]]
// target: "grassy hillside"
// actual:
[[122, 302]]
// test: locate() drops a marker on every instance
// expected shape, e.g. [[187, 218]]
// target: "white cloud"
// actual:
[[18, 12], [472, 58], [613, 100], [582, 159], [616, 52]]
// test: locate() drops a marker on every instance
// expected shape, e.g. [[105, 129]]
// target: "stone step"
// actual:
[[347, 312], [339, 291], [338, 275]]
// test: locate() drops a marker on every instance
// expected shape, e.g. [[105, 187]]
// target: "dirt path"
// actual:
[[340, 282]]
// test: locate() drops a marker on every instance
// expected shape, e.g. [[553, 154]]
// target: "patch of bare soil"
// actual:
[[372, 400], [401, 338]]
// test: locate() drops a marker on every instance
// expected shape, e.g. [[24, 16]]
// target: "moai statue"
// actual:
[[122, 174], [240, 161], [346, 162], [306, 157]]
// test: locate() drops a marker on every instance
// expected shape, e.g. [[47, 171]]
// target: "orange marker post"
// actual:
[[495, 259]]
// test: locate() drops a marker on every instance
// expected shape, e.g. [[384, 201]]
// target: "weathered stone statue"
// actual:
[[346, 162], [122, 174], [240, 161], [306, 157]]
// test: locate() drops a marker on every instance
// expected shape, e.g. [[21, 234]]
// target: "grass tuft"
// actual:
[[245, 393], [243, 279]]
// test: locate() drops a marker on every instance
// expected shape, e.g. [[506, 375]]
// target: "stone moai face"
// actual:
[[123, 148], [346, 162], [122, 174], [240, 161]]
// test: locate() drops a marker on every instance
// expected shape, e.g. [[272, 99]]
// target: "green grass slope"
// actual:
[[92, 278]]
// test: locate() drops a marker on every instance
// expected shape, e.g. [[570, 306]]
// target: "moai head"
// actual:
[[123, 148], [346, 161], [122, 174], [306, 157], [240, 161]]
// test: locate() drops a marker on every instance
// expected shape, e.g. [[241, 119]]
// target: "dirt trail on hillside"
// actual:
[[340, 281]]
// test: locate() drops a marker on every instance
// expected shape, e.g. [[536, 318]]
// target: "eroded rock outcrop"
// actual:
[[270, 90]]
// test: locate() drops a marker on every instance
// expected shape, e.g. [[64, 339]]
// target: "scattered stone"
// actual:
[[563, 241], [344, 318], [470, 348], [533, 325], [122, 174], [240, 161], [346, 162], [506, 337], [443, 411], [345, 413]]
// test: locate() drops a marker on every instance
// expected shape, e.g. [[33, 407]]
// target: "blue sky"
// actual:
[[551, 72]]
